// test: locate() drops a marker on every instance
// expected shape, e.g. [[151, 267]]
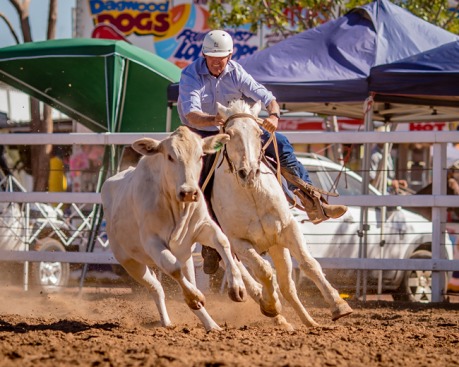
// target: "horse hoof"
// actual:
[[281, 321], [342, 310]]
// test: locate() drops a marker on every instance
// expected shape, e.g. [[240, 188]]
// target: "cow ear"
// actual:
[[213, 144], [146, 146]]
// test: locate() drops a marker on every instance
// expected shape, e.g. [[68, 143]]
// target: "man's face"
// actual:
[[216, 65]]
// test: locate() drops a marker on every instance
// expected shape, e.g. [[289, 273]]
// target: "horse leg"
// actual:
[[169, 264], [283, 265], [144, 276], [262, 271], [313, 271]]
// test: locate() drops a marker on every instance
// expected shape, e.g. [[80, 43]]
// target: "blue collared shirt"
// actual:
[[199, 91]]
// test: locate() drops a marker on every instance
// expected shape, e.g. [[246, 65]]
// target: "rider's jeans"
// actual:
[[287, 157]]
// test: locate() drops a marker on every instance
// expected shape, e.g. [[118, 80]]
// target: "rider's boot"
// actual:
[[318, 208]]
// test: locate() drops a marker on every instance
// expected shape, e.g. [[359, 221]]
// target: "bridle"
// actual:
[[272, 138]]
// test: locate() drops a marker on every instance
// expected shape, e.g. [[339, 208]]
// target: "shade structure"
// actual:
[[106, 85], [326, 69], [429, 76]]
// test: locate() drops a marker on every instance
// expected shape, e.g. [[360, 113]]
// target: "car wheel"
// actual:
[[417, 284], [49, 276]]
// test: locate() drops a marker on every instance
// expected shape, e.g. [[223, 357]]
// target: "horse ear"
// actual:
[[222, 110], [213, 144], [256, 108]]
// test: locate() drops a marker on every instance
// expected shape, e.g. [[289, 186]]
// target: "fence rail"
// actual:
[[438, 201]]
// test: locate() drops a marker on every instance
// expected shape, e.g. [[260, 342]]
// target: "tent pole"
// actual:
[[169, 117], [362, 274]]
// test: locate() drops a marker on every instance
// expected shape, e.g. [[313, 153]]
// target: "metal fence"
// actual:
[[438, 201]]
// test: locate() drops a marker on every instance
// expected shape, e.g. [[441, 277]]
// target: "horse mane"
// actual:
[[239, 106]]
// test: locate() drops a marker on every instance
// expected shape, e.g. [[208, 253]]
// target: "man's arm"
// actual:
[[272, 121], [201, 119]]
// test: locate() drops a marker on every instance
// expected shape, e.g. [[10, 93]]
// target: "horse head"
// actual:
[[243, 151]]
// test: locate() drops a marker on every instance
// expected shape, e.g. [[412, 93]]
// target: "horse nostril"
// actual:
[[257, 172], [242, 174]]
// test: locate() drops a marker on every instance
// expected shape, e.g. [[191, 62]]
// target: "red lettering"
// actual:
[[416, 127], [143, 22], [162, 22], [440, 126], [125, 23]]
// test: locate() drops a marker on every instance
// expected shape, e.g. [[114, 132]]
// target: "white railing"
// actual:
[[439, 201]]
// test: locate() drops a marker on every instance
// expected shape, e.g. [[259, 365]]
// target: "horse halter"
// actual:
[[233, 117], [225, 154]]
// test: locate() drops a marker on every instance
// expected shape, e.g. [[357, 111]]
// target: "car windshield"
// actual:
[[328, 179]]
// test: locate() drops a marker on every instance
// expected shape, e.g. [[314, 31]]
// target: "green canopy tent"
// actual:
[[106, 85]]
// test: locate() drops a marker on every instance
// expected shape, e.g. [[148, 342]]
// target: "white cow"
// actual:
[[155, 214]]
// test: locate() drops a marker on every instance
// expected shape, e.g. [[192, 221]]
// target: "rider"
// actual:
[[216, 78]]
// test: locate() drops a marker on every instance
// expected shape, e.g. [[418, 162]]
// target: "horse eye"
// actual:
[[170, 158]]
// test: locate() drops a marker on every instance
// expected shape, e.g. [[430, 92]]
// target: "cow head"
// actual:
[[181, 159]]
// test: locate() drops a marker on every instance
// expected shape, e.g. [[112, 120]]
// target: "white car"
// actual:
[[407, 235]]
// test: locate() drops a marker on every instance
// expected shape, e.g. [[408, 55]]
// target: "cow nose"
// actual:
[[188, 195]]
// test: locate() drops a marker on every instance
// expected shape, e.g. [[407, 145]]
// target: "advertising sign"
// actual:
[[171, 29]]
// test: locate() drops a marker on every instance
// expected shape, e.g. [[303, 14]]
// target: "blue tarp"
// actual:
[[332, 62], [431, 73]]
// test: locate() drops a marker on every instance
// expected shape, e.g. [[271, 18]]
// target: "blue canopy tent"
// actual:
[[431, 77], [326, 69]]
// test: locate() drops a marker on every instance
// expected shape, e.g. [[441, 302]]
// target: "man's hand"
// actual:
[[218, 120], [399, 184], [270, 123]]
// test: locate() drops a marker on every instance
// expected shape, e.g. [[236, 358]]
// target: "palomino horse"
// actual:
[[254, 213]]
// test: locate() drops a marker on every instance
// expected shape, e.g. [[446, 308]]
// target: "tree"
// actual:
[[285, 17], [40, 153]]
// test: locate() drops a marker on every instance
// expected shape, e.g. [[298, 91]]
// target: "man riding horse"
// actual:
[[216, 78]]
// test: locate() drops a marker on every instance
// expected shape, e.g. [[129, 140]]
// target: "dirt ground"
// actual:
[[106, 327]]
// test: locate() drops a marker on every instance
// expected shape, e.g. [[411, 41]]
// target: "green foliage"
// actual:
[[285, 17]]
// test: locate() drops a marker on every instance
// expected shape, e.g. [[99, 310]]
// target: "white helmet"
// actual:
[[217, 44]]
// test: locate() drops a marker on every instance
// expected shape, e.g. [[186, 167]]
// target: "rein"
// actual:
[[272, 139]]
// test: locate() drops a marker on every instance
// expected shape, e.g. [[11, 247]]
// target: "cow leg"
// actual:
[[211, 235], [313, 271], [144, 276], [262, 271], [203, 316], [169, 264], [283, 265]]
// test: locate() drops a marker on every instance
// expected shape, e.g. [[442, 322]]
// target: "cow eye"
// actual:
[[170, 158]]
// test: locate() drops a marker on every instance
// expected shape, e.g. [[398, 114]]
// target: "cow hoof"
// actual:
[[237, 295], [343, 309], [196, 303]]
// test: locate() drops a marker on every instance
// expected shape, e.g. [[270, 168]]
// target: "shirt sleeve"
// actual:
[[252, 89], [189, 93]]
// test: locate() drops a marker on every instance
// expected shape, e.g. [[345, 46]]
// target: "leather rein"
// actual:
[[272, 138]]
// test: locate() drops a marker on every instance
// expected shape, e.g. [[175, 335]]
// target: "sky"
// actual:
[[16, 104], [38, 20]]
